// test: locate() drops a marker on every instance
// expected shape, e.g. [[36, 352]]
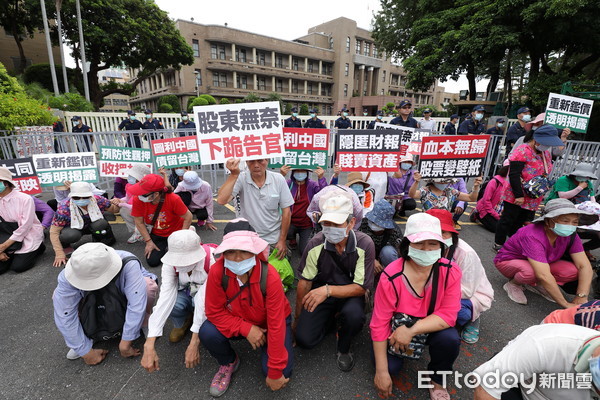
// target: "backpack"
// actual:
[[264, 268], [483, 187], [102, 311]]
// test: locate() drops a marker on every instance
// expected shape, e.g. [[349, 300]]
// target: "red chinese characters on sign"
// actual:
[[306, 139], [175, 145]]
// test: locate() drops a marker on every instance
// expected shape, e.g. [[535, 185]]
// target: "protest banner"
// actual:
[[304, 148], [54, 169], [248, 131], [33, 140], [24, 175], [568, 112], [115, 161], [176, 152], [369, 150], [414, 143], [453, 156]]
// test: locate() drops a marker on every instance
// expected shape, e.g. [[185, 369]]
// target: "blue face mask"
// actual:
[[131, 180], [132, 117], [448, 242], [345, 114], [424, 258], [380, 117], [313, 115], [240, 267], [357, 187], [478, 116], [441, 186], [2, 187], [526, 118], [405, 166], [82, 202], [294, 115], [500, 125], [148, 116], [184, 118], [300, 176], [179, 171], [564, 230]]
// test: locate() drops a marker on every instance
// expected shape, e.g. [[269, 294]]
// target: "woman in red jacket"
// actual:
[[243, 302], [489, 207]]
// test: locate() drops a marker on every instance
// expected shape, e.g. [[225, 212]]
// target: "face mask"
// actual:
[[294, 115], [345, 114], [147, 199], [82, 202], [184, 118], [478, 117], [534, 128], [179, 171], [365, 114], [148, 116], [300, 176], [357, 187], [564, 230], [541, 147], [500, 125], [313, 115], [375, 227], [380, 117], [526, 118], [577, 178], [2, 187], [594, 364], [334, 235], [75, 123], [241, 267], [424, 258], [405, 166], [186, 268], [441, 186], [131, 180], [448, 242], [132, 117]]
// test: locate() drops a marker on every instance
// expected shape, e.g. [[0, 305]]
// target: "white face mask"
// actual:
[[375, 227], [526, 118], [146, 199], [448, 242], [334, 235]]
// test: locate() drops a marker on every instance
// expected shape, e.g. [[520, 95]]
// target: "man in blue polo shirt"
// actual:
[[474, 125]]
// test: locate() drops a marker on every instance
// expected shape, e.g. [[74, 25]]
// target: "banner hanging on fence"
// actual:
[[248, 131], [115, 161], [568, 112], [35, 140], [24, 175], [304, 148], [176, 152], [54, 169], [371, 150], [453, 156]]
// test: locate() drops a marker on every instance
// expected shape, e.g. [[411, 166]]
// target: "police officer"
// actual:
[[185, 123], [379, 118], [293, 121], [365, 112], [473, 125], [497, 129], [426, 122], [152, 124], [132, 124], [450, 128], [518, 129], [60, 145], [84, 142], [404, 118], [343, 122], [314, 122]]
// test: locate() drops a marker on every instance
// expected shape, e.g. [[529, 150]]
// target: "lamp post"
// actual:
[[49, 45], [60, 45], [196, 74], [86, 87]]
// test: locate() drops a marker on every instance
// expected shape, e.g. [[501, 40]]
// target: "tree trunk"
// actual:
[[22, 58], [494, 78], [508, 82], [472, 82]]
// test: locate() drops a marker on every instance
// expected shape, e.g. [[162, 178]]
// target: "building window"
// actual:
[[347, 69], [310, 88], [346, 90], [375, 52], [357, 46], [367, 49], [240, 55], [213, 52], [242, 82], [347, 44], [328, 69], [383, 75], [295, 63], [279, 85], [279, 61], [382, 92], [219, 79], [198, 77], [330, 42], [262, 84], [310, 67], [196, 47], [261, 58], [294, 86], [222, 52]]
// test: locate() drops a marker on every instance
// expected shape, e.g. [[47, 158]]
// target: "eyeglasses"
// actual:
[[406, 107], [147, 194], [79, 198]]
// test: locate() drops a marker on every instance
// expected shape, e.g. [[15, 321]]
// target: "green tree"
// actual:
[[288, 109], [172, 101], [165, 108], [224, 100], [197, 101], [276, 97], [20, 19], [41, 74], [211, 100], [71, 102], [303, 109], [434, 111], [124, 32], [251, 98]]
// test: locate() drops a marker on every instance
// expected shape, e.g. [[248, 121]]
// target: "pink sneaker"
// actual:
[[515, 292], [222, 379]]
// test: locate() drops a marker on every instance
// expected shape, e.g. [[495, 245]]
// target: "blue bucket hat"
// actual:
[[382, 214], [547, 135]]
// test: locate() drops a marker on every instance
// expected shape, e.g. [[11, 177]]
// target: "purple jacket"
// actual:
[[461, 186], [119, 188], [312, 187], [48, 213], [401, 185]]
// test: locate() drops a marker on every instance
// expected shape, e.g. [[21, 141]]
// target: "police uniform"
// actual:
[[60, 146], [343, 123], [153, 124], [292, 122], [129, 125], [410, 122], [471, 127], [513, 134], [494, 131], [84, 138], [186, 125], [450, 129], [314, 123], [372, 124]]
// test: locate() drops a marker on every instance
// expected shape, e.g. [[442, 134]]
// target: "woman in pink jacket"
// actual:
[[477, 293], [489, 207], [416, 304]]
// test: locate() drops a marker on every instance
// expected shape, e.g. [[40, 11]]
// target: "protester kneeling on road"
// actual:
[[586, 315], [534, 257], [314, 210], [102, 294], [548, 350], [336, 270], [134, 175], [81, 214], [489, 205], [182, 294], [437, 193], [197, 196], [245, 298], [416, 304], [363, 190], [156, 207], [385, 234], [22, 236], [477, 293]]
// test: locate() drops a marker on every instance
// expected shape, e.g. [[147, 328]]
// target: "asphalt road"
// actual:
[[33, 363]]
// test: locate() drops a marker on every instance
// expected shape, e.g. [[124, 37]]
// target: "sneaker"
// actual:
[[345, 361], [496, 247], [540, 290], [515, 292], [177, 334], [470, 334], [473, 216], [136, 237], [457, 226], [72, 355], [222, 378]]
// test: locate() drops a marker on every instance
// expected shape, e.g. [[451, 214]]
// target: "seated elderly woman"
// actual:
[[22, 235], [416, 304], [576, 186], [534, 257], [81, 214]]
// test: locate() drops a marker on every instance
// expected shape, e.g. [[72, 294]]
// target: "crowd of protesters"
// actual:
[[427, 288]]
